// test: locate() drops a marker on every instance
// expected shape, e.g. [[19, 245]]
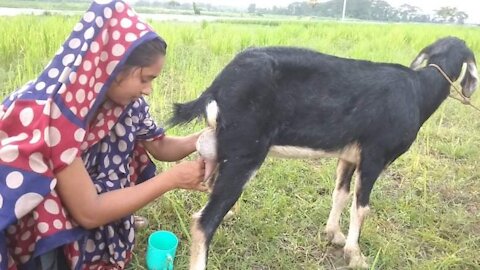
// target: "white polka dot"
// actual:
[[42, 227], [113, 22], [13, 139], [79, 135], [36, 163], [17, 250], [144, 158], [1, 201], [25, 235], [98, 73], [68, 59], [116, 159], [52, 136], [88, 35], [89, 16], [94, 47], [90, 96], [78, 27], [91, 82], [83, 79], [130, 37], [68, 97], [69, 155], [57, 224], [118, 50], [116, 35], [122, 146], [106, 161], [73, 110], [99, 21], [113, 177], [130, 13], [31, 247], [107, 12], [40, 86], [126, 23], [141, 26], [59, 51], [26, 116], [111, 233], [14, 180], [101, 134], [131, 235], [74, 43], [73, 77], [53, 73], [51, 89], [55, 112], [53, 184], [87, 65], [68, 225], [52, 207], [110, 124], [120, 130], [26, 203], [24, 258], [98, 87], [83, 111], [117, 111], [119, 6], [80, 96], [9, 153], [37, 134], [78, 60], [105, 37], [104, 56]]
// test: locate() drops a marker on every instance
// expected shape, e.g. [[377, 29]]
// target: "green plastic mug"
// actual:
[[161, 249]]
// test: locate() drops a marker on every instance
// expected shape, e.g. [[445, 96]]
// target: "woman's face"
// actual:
[[132, 84]]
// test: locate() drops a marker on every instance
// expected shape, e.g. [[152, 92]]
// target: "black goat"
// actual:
[[298, 102]]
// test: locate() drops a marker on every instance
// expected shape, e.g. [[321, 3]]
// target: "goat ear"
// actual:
[[470, 80], [419, 60]]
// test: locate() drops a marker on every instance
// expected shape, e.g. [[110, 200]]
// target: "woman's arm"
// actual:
[[172, 148], [91, 210]]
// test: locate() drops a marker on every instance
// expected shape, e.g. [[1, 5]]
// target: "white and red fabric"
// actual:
[[65, 114]]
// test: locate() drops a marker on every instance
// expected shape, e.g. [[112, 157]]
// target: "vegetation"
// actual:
[[425, 207]]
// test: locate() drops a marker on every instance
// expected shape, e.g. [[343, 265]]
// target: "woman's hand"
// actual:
[[189, 175]]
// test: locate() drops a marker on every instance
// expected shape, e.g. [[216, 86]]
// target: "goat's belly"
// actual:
[[349, 153]]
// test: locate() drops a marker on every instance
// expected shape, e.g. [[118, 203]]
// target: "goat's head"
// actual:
[[451, 53]]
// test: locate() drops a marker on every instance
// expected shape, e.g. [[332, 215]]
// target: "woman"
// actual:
[[74, 146]]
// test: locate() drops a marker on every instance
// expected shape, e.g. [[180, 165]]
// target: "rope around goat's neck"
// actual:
[[464, 100]]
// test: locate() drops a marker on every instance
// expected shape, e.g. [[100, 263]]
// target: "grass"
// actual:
[[425, 207]]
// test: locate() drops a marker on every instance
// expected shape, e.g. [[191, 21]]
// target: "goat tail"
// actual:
[[186, 112]]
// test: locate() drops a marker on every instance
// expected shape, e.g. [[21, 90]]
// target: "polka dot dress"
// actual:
[[44, 127]]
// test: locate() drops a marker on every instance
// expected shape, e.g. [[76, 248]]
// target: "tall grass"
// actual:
[[425, 206]]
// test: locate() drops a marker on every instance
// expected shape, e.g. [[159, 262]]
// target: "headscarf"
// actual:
[[44, 126]]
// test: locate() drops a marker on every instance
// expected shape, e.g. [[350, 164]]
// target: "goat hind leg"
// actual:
[[232, 176], [340, 198]]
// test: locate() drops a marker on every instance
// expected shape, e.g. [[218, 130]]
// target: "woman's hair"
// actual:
[[145, 54]]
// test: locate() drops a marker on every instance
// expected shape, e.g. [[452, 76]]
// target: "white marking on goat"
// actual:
[[198, 250], [474, 72], [349, 153], [212, 113], [418, 61], [357, 216], [340, 198]]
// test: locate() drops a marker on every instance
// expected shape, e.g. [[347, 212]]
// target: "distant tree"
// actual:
[[173, 4], [252, 8], [461, 17], [446, 14], [196, 10]]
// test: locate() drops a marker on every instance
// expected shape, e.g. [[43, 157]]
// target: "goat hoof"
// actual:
[[355, 259], [335, 237]]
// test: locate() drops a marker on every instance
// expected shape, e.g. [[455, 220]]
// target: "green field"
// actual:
[[424, 208]]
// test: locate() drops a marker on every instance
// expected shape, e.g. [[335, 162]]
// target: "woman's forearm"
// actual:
[[172, 148]]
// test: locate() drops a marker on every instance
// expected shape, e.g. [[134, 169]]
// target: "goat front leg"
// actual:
[[367, 174], [340, 198]]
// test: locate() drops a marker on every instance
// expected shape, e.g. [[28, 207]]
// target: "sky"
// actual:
[[471, 7]]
